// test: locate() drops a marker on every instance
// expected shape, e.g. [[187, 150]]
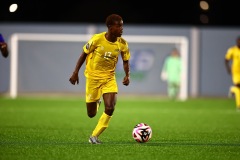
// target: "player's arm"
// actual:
[[74, 78], [227, 66], [126, 79], [125, 54], [4, 49]]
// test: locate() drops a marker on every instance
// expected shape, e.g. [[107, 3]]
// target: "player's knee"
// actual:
[[91, 114], [109, 110]]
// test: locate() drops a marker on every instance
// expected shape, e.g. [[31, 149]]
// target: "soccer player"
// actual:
[[232, 63], [171, 72], [3, 47], [101, 54]]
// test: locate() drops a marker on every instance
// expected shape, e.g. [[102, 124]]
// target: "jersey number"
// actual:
[[107, 55]]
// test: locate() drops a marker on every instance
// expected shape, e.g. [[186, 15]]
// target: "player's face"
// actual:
[[117, 28]]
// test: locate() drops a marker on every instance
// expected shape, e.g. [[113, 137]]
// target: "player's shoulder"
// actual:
[[99, 35], [232, 48], [122, 40]]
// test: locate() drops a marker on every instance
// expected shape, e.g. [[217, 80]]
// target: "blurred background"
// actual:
[[173, 12], [45, 39]]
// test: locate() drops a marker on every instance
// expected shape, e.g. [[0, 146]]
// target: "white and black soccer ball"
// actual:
[[142, 133]]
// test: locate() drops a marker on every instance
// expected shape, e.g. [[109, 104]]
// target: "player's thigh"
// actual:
[[110, 86], [236, 77], [93, 90]]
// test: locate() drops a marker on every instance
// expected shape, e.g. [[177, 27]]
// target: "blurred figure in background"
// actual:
[[171, 72], [232, 64], [3, 47]]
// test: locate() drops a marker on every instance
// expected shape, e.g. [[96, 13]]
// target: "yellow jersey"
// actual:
[[233, 54], [102, 56]]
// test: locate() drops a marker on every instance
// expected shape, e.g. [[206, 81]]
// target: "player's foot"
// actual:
[[94, 140]]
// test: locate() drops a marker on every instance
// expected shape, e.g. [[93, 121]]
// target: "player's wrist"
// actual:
[[75, 72], [127, 75]]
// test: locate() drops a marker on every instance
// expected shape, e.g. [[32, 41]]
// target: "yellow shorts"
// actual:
[[96, 87], [236, 78]]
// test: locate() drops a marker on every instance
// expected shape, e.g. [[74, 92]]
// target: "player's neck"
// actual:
[[110, 37]]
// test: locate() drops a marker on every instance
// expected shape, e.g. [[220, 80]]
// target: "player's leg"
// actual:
[[236, 81], [109, 90], [237, 96], [170, 90], [100, 127], [93, 94], [177, 89], [176, 82], [103, 122], [231, 91], [234, 91], [92, 108]]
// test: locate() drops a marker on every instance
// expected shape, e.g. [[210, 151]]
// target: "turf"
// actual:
[[43, 128]]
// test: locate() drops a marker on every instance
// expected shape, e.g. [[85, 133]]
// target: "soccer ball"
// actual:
[[142, 132]]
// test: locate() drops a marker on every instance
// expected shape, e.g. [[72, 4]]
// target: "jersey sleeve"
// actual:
[[90, 45], [126, 52], [228, 55]]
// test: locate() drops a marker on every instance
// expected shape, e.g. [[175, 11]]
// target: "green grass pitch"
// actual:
[[58, 129]]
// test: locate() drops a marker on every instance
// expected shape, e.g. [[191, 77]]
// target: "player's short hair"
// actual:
[[111, 19]]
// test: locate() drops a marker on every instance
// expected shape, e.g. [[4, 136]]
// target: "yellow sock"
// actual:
[[237, 97], [102, 124]]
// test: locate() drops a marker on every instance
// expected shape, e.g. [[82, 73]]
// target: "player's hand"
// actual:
[[74, 78], [4, 49], [126, 80]]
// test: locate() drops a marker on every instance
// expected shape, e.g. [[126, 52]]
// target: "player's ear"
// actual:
[[110, 28]]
